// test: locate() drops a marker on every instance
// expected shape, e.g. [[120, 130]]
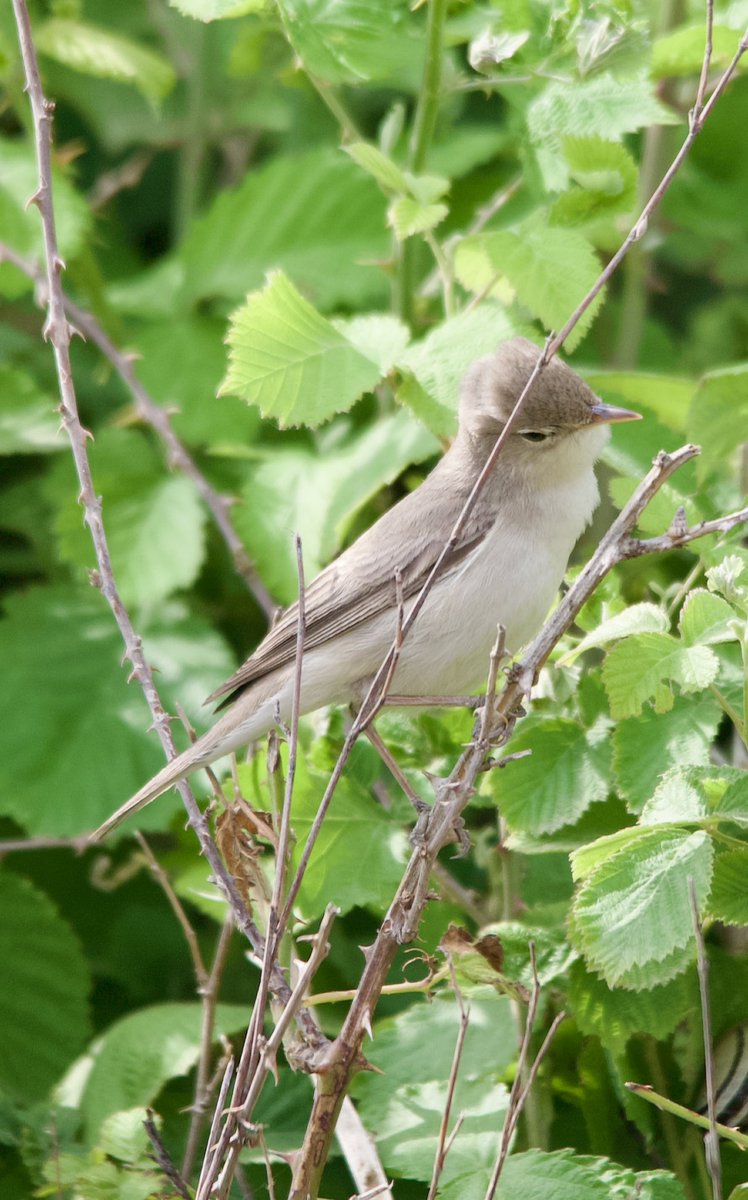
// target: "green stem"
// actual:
[[192, 151], [445, 273], [686, 1114], [330, 98], [728, 709], [424, 122], [678, 1164]]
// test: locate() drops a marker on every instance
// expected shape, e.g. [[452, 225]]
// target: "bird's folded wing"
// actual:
[[353, 589]]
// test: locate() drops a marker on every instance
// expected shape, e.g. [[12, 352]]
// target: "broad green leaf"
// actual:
[[729, 578], [553, 954], [286, 358], [182, 363], [604, 181], [675, 800], [604, 106], [682, 51], [615, 1014], [378, 165], [667, 397], [568, 770], [719, 409], [62, 664], [359, 856], [97, 51], [532, 1175], [728, 899], [29, 422], [635, 669], [122, 1135], [315, 215], [317, 494], [634, 911], [380, 337], [706, 619], [350, 41], [20, 223], [142, 1051], [434, 366], [646, 746], [408, 217], [586, 859], [550, 269], [639, 618], [43, 1000], [155, 522]]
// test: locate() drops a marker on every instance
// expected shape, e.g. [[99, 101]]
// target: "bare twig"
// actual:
[[162, 1157], [711, 1137], [154, 415], [443, 1142], [58, 331], [177, 908]]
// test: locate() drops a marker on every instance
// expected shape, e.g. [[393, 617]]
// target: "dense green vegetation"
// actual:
[[361, 199]]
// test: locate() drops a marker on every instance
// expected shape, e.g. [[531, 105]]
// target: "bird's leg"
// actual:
[[392, 766], [433, 701]]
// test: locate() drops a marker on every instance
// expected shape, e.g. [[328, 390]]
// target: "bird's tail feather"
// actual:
[[172, 773]]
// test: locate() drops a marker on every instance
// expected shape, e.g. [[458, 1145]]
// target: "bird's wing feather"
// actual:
[[361, 582]]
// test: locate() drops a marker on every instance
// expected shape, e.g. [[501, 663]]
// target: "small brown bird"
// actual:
[[507, 566]]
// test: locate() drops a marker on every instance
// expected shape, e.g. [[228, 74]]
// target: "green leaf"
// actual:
[[682, 51], [604, 175], [62, 664], [155, 522], [291, 362], [317, 494], [532, 1175], [646, 746], [634, 910], [639, 618], [408, 217], [380, 337], [122, 1135], [350, 41], [43, 1000], [615, 1014], [29, 423], [568, 770], [97, 51], [728, 899], [719, 408], [435, 365], [315, 216], [604, 106], [142, 1051], [550, 269], [359, 855], [182, 363], [635, 669], [215, 10], [726, 578], [382, 168], [706, 619], [667, 397]]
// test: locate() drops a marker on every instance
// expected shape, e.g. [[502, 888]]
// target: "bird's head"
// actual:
[[561, 420]]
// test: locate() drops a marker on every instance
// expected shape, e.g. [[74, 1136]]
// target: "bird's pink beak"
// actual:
[[607, 414]]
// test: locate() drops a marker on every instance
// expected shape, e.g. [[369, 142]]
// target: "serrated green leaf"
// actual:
[[604, 106], [291, 362], [43, 1001], [646, 746], [729, 578], [155, 522], [349, 41], [718, 410], [317, 494], [314, 215], [634, 670], [122, 1135], [682, 51], [706, 619], [728, 899], [139, 1053], [568, 770], [638, 618], [437, 363], [533, 1175], [97, 51], [382, 168], [605, 176], [62, 664], [550, 269], [614, 1014], [586, 859], [29, 423], [634, 910], [408, 217], [675, 800]]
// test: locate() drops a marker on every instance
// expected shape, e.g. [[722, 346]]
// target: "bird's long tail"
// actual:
[[179, 768]]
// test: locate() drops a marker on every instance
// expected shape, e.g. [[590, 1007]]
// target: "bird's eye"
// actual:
[[535, 435]]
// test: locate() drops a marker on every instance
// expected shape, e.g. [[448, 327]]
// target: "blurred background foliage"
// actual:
[[202, 195]]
